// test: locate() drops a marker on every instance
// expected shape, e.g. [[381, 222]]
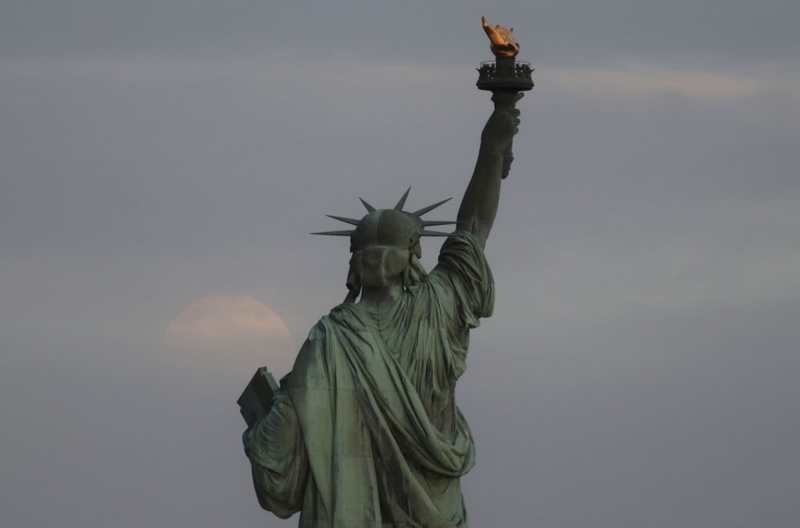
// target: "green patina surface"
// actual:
[[365, 432]]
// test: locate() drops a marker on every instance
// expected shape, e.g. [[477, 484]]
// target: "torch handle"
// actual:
[[506, 99]]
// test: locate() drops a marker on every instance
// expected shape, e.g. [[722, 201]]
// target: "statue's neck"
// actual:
[[378, 299]]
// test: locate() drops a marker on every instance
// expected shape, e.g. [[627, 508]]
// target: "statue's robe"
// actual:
[[365, 431]]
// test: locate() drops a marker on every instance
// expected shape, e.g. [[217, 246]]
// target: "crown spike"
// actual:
[[429, 223], [426, 232], [421, 224], [351, 221], [368, 206], [402, 202], [347, 233], [430, 208]]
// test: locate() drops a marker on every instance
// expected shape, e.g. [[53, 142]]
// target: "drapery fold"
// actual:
[[365, 431]]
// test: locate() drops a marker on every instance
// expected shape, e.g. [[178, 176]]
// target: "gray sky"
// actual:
[[641, 367]]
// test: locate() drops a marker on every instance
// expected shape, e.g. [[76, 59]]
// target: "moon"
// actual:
[[232, 330]]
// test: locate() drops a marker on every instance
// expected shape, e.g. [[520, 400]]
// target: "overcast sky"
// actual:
[[642, 365]]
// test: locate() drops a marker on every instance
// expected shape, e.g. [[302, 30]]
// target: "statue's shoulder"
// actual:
[[459, 248], [320, 335], [339, 310], [324, 325], [339, 314]]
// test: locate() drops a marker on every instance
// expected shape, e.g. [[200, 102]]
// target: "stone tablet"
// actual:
[[256, 400]]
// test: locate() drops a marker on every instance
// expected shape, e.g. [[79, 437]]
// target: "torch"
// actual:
[[505, 74]]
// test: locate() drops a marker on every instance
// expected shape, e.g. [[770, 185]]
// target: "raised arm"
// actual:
[[479, 206]]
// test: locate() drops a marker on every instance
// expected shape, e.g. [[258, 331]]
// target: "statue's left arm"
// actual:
[[479, 206], [278, 458]]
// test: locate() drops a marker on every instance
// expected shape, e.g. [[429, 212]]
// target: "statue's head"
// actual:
[[382, 245], [385, 247]]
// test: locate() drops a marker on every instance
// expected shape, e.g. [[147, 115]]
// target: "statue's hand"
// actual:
[[503, 123]]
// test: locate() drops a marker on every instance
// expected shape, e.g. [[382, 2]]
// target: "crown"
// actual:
[[390, 223]]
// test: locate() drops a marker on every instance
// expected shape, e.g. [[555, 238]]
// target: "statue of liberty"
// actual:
[[364, 431]]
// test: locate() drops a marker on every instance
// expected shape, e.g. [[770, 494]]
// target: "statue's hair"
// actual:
[[413, 274], [395, 218]]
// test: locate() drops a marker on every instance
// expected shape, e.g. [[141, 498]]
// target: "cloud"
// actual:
[[653, 80], [346, 93]]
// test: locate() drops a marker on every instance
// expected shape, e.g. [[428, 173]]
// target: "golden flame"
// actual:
[[503, 42]]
